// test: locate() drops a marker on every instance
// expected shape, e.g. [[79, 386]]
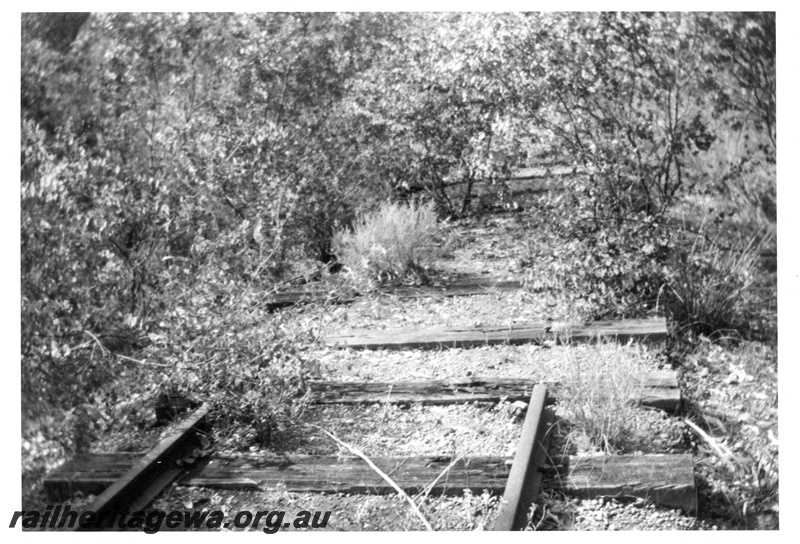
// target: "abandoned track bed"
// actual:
[[459, 422], [518, 476]]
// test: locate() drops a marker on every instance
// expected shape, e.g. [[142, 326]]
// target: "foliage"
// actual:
[[648, 264], [739, 172], [242, 139], [293, 88], [621, 98], [241, 363], [437, 101], [390, 245], [602, 271], [213, 345], [629, 98], [59, 30], [733, 387], [743, 61], [145, 161]]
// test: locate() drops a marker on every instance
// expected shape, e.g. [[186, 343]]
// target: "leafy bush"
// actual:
[[613, 247], [115, 213], [390, 245], [649, 264], [618, 104], [220, 348], [444, 126], [212, 345], [739, 169], [686, 262], [601, 268]]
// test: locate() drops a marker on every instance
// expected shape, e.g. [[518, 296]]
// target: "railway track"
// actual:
[[132, 481]]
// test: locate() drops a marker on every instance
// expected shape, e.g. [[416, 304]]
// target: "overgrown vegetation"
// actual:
[[175, 165], [211, 346], [643, 148], [734, 392]]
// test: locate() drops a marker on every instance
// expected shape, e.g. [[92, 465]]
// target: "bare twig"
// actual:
[[201, 104], [124, 357], [102, 347], [398, 467], [723, 452], [429, 487], [544, 515], [131, 359], [386, 405], [380, 473], [254, 275]]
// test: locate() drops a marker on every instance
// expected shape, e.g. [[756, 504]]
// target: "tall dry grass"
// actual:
[[391, 245], [714, 288], [598, 400]]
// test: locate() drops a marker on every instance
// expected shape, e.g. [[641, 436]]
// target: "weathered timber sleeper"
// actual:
[[290, 298], [640, 330], [655, 390], [667, 480]]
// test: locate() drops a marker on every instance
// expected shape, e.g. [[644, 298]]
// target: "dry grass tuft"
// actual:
[[598, 401], [716, 287], [390, 246]]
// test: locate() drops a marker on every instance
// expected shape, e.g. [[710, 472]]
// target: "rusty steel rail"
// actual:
[[152, 473], [525, 479]]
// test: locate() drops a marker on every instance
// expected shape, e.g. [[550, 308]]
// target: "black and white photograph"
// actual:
[[358, 271]]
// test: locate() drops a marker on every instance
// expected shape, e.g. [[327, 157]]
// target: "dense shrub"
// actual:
[[389, 246], [650, 264], [739, 170], [156, 147], [213, 345], [602, 268], [247, 369], [619, 106]]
